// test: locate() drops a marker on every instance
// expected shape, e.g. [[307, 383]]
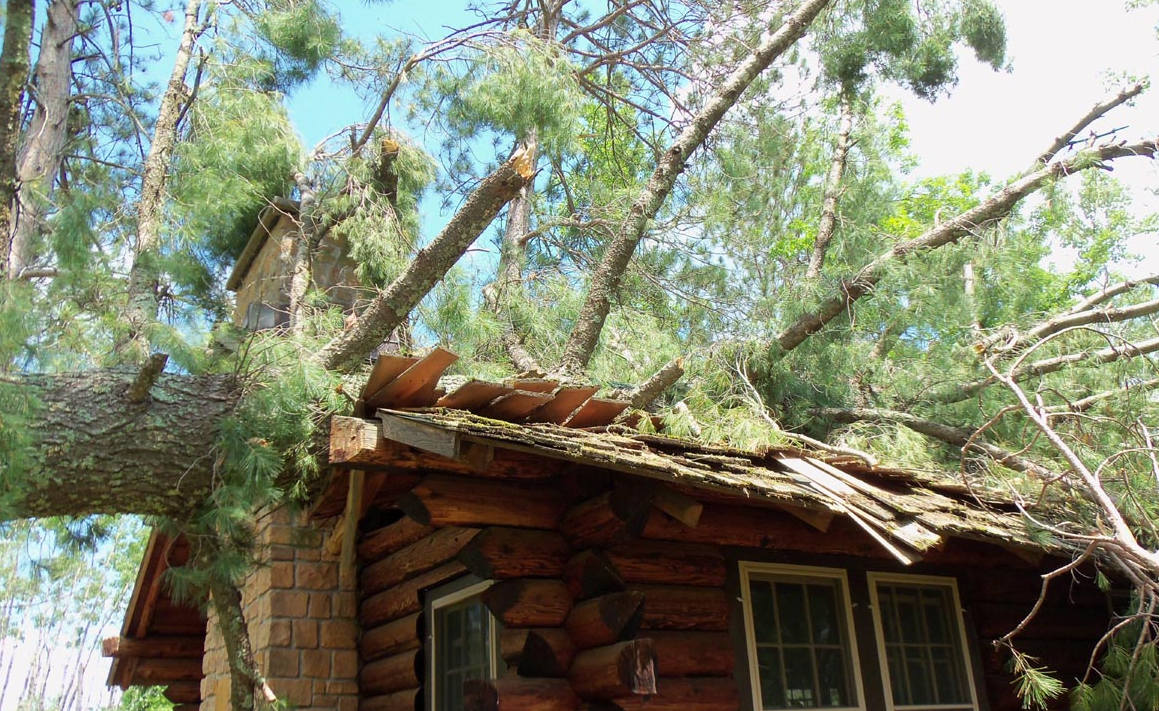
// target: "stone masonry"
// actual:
[[302, 625]]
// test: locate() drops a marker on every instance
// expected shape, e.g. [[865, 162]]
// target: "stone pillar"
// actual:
[[303, 627]]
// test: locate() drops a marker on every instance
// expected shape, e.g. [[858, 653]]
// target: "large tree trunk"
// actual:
[[14, 64], [94, 450], [44, 143], [144, 276], [609, 273]]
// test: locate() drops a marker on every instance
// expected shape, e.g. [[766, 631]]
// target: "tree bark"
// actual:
[[610, 272], [968, 223], [94, 451], [47, 135], [828, 224], [145, 276], [14, 65]]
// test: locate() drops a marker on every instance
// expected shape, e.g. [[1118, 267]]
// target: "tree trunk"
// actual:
[[93, 451], [610, 272], [145, 276], [46, 137], [828, 224], [14, 64]]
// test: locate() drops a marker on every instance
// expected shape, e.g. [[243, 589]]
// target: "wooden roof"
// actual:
[[907, 512], [161, 641]]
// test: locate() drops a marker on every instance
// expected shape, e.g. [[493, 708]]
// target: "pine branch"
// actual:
[[963, 437], [828, 224], [1101, 356], [850, 290], [1016, 343]]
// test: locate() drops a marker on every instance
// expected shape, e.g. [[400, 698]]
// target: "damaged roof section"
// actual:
[[907, 513]]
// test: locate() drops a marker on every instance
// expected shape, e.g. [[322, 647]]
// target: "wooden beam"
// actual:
[[346, 570], [684, 509], [162, 647], [419, 435]]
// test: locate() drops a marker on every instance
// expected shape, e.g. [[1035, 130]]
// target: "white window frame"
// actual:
[[747, 570], [446, 600], [879, 635]]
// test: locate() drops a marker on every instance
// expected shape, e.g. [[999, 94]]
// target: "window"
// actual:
[[799, 631], [463, 644], [921, 640]]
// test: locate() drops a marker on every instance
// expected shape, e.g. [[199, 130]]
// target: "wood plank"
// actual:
[[565, 402], [416, 386], [514, 405], [533, 385], [419, 435], [386, 368], [183, 646], [596, 412], [472, 395]]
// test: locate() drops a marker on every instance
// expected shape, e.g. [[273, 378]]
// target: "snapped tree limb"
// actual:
[[609, 273], [392, 305], [1097, 111], [850, 290], [660, 381], [828, 224]]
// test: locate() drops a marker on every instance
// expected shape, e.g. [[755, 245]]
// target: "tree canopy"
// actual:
[[711, 199]]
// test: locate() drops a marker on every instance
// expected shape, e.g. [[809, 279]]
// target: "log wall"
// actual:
[[608, 602]]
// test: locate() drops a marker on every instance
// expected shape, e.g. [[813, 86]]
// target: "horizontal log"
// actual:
[[686, 695], [460, 501], [513, 693], [167, 647], [388, 539], [612, 517], [679, 506], [606, 619], [679, 607], [664, 562], [419, 557], [615, 671], [358, 444], [394, 673], [537, 652], [681, 654], [393, 637], [500, 553], [405, 598], [590, 574], [184, 692], [405, 700], [163, 671], [528, 602]]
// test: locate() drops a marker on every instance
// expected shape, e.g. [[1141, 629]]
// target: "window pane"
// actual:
[[831, 677], [823, 611], [799, 688], [462, 649], [801, 643], [769, 669], [764, 614], [791, 613]]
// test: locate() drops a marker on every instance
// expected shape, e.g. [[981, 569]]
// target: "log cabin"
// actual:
[[524, 545]]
